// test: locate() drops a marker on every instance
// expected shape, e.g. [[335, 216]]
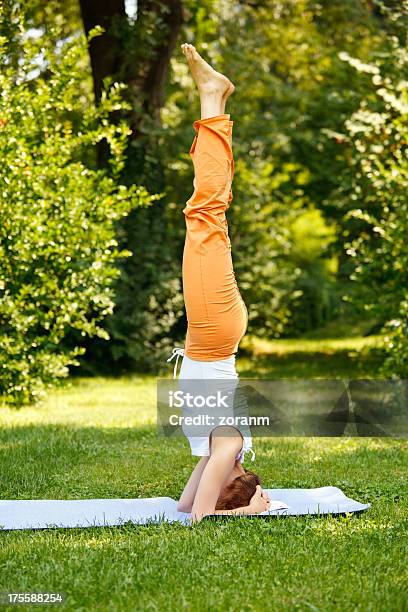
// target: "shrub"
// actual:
[[378, 227], [58, 211]]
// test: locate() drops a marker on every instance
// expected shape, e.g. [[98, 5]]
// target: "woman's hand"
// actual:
[[260, 501]]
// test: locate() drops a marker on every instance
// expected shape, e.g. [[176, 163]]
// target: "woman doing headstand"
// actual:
[[216, 314]]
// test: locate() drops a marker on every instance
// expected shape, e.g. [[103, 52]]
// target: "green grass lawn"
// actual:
[[97, 438]]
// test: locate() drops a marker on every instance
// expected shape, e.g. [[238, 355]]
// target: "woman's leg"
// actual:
[[216, 313], [214, 88]]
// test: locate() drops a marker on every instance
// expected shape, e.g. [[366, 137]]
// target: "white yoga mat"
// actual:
[[49, 513]]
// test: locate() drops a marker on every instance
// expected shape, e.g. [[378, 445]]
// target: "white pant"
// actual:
[[223, 369]]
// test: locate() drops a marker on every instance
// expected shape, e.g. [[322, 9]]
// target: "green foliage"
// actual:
[[377, 227], [58, 245], [149, 302], [290, 87], [304, 193], [316, 293], [261, 241], [312, 236]]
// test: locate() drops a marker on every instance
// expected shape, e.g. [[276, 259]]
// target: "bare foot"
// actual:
[[206, 78]]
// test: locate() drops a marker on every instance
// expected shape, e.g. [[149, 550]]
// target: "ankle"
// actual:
[[211, 89], [211, 107], [208, 113]]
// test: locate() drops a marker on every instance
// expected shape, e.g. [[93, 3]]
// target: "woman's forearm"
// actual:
[[219, 465], [186, 500], [245, 510]]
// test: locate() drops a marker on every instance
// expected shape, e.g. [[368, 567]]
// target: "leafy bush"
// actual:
[[378, 227], [312, 237], [290, 85], [261, 214], [58, 211]]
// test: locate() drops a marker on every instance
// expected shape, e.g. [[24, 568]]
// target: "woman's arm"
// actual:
[[186, 500], [243, 511], [215, 473]]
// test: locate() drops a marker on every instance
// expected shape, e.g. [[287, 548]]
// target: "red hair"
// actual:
[[239, 492]]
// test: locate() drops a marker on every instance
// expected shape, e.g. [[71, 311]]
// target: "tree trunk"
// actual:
[[158, 69], [104, 50], [137, 53], [109, 52]]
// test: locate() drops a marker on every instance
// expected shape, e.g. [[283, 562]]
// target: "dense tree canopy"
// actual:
[[319, 218], [58, 243]]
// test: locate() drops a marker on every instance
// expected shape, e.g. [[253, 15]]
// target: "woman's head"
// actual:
[[238, 493]]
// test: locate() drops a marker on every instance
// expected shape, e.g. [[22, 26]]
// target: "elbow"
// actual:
[[197, 515], [182, 507]]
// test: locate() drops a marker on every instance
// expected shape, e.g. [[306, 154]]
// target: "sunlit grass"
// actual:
[[355, 357], [258, 346], [97, 438], [101, 402]]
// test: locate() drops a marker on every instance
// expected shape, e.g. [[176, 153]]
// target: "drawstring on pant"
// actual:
[[177, 353], [244, 452]]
